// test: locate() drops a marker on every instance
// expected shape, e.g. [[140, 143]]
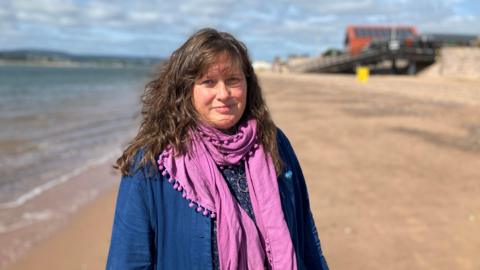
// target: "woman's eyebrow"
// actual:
[[231, 72]]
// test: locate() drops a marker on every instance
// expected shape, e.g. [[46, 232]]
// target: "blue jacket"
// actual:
[[154, 228]]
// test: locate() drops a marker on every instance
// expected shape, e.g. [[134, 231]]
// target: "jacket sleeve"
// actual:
[[132, 241], [312, 252]]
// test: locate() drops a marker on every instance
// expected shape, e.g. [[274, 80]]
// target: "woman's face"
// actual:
[[220, 95]]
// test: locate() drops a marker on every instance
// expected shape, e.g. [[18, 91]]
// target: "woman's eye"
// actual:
[[233, 81], [207, 82]]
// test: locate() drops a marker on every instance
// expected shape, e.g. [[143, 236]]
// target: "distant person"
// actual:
[[209, 181], [277, 65]]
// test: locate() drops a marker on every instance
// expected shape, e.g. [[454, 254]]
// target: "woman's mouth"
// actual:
[[223, 109]]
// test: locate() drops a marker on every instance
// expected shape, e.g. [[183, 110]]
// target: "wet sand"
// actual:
[[391, 168], [82, 242]]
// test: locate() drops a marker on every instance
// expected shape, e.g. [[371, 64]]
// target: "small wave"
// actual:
[[28, 218], [20, 200]]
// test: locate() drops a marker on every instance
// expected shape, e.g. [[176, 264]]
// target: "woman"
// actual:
[[209, 182]]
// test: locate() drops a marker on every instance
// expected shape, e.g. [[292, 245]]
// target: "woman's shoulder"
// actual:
[[280, 134], [287, 154], [284, 146], [142, 165]]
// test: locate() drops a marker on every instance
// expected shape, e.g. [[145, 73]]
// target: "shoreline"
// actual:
[[47, 215], [63, 179], [80, 244]]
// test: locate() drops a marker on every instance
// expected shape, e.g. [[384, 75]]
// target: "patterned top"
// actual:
[[237, 183]]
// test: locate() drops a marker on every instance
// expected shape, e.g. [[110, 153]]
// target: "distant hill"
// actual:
[[46, 57]]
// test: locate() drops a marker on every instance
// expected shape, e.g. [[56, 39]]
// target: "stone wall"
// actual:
[[457, 62]]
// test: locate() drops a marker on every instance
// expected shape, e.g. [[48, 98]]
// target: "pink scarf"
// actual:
[[240, 244]]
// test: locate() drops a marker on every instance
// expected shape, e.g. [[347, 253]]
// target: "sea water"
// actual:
[[55, 123]]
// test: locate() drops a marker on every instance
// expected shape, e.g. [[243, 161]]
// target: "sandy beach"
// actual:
[[391, 167]]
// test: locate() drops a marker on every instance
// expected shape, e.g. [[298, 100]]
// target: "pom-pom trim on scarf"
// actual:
[[178, 187]]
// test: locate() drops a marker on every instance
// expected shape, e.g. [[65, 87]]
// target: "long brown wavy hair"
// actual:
[[168, 113]]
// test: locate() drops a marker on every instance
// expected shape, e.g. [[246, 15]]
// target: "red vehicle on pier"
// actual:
[[360, 37]]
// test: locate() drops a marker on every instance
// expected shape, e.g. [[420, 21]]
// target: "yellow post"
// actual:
[[362, 73]]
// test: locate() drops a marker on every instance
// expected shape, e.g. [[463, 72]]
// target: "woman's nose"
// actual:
[[223, 91]]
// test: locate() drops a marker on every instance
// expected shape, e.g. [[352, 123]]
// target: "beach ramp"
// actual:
[[345, 63]]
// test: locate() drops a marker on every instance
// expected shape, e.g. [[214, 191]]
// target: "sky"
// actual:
[[268, 28]]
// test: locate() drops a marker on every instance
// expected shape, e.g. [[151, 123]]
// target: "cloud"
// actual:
[[269, 28]]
